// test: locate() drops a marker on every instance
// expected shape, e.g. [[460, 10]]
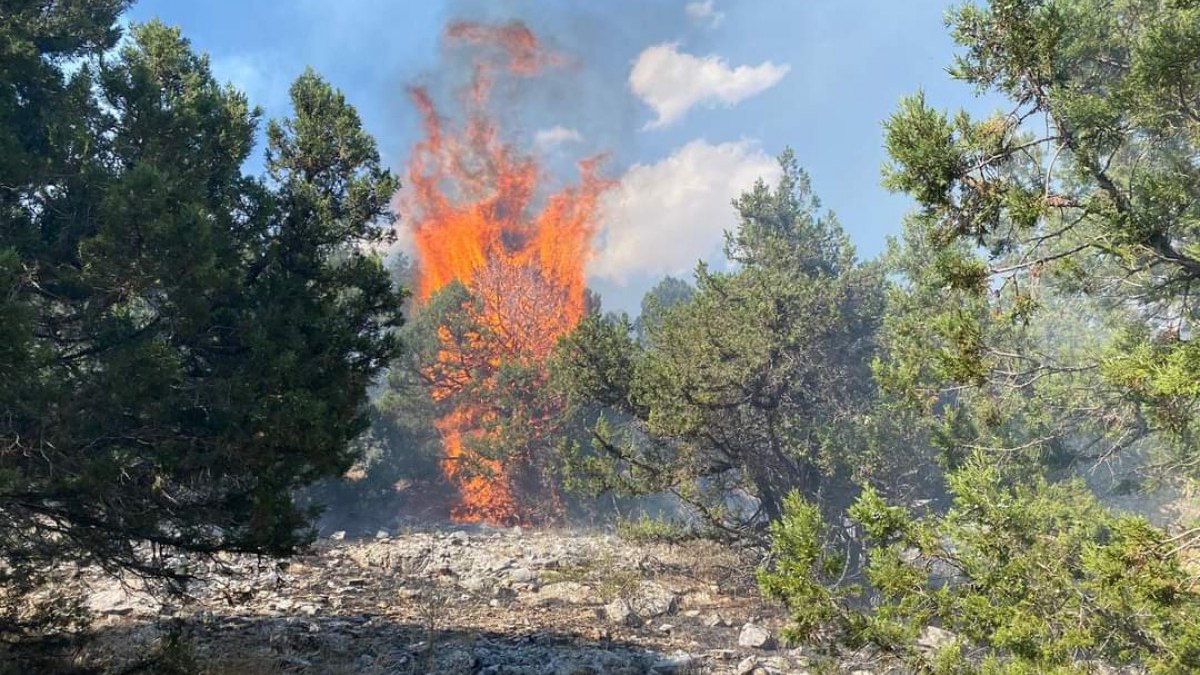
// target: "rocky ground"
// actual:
[[491, 602]]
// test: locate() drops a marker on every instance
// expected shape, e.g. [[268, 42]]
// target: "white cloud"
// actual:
[[662, 218], [704, 12], [671, 82], [556, 135]]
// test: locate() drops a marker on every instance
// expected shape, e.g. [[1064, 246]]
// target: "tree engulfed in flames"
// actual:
[[472, 211]]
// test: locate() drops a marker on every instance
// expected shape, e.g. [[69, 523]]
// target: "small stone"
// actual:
[[459, 538], [676, 664], [666, 628], [777, 664], [338, 536], [933, 638], [724, 654], [522, 575], [654, 600], [715, 620], [565, 592], [456, 661], [621, 613], [756, 637], [382, 534], [747, 665], [474, 584], [117, 601]]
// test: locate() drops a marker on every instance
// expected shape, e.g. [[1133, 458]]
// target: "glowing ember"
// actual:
[[473, 218]]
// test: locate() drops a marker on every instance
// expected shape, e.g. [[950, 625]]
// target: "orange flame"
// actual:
[[473, 220]]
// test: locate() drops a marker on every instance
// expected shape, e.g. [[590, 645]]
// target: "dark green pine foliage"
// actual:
[[1029, 577], [757, 380], [183, 345], [657, 303], [1043, 316], [1072, 214]]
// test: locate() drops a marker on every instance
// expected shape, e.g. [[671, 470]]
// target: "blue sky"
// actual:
[[692, 99]]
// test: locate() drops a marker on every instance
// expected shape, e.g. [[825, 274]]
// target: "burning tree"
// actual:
[[502, 269]]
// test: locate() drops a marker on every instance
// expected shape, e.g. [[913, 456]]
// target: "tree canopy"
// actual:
[[758, 380], [183, 344], [1041, 320], [1085, 189]]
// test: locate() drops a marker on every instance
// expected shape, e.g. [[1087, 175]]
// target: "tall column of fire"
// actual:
[[471, 209]]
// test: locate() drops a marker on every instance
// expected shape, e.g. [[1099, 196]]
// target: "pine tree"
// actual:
[[183, 345]]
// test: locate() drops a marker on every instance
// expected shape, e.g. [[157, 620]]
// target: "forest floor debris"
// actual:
[[477, 600]]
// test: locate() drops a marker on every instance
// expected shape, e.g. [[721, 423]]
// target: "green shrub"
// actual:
[[804, 572], [1039, 576], [647, 530]]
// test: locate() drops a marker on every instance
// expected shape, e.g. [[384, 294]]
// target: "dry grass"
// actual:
[[610, 579]]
